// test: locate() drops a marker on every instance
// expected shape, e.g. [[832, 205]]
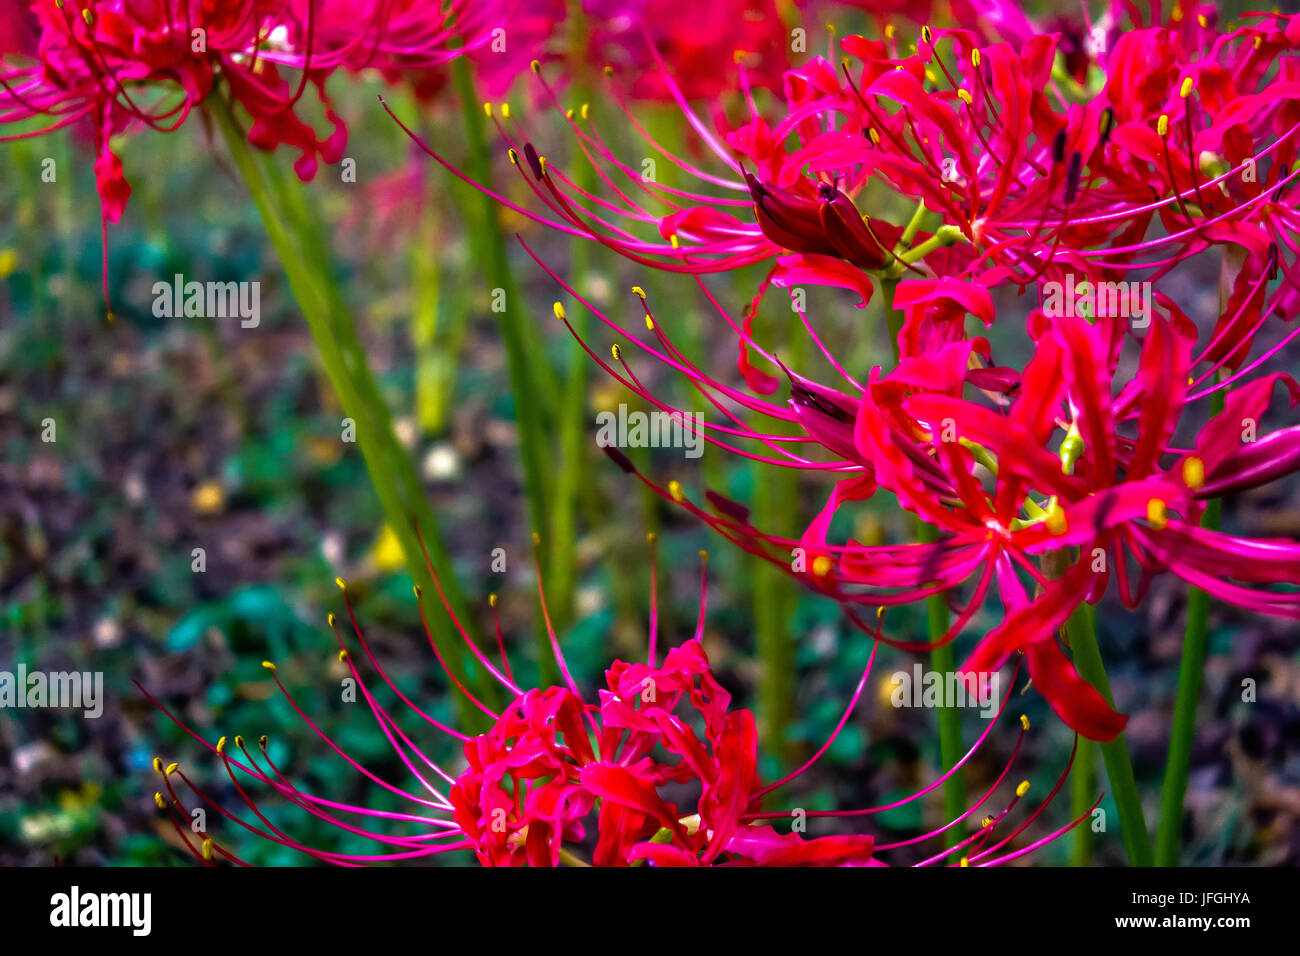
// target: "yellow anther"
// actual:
[[1162, 124], [343, 656], [675, 489], [1055, 519], [343, 585], [704, 555], [221, 745], [1186, 89], [927, 35], [558, 309], [330, 618], [157, 765], [616, 352], [609, 71], [1023, 788], [873, 136], [89, 17], [207, 848], [505, 110], [673, 241], [932, 76], [880, 614], [158, 799], [514, 157], [1201, 21], [268, 665], [737, 56], [965, 97], [964, 862], [568, 114], [1024, 722], [1157, 514], [261, 741], [651, 537], [171, 768], [821, 565], [987, 822], [487, 110], [1259, 41], [239, 742], [419, 592], [585, 112], [649, 322], [535, 66], [537, 538], [492, 600], [638, 292], [1193, 472], [889, 31], [975, 58]]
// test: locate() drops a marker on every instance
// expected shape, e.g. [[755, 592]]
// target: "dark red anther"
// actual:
[[534, 161], [1072, 176], [724, 505], [620, 459], [1107, 124]]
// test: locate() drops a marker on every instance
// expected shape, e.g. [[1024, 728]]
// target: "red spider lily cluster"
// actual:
[[556, 778], [1057, 174], [1067, 192], [149, 63]]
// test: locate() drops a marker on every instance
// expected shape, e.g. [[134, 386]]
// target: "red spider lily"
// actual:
[[1028, 182], [1045, 502], [552, 761], [634, 37], [1192, 135], [129, 63], [1055, 521], [509, 36]]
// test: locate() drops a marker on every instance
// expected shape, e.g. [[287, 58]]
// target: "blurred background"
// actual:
[[177, 434]]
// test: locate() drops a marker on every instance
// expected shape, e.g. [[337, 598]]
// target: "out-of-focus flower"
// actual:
[[552, 765], [131, 63]]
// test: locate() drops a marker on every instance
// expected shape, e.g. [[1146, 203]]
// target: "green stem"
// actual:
[[1191, 671], [1119, 766], [943, 661], [774, 598], [1082, 797], [532, 380], [433, 366], [296, 239], [774, 638], [573, 404]]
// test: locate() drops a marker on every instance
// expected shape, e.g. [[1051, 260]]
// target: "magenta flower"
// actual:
[[553, 765], [130, 63], [1189, 144], [1037, 467]]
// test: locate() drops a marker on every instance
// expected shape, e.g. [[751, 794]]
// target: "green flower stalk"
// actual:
[[295, 234]]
